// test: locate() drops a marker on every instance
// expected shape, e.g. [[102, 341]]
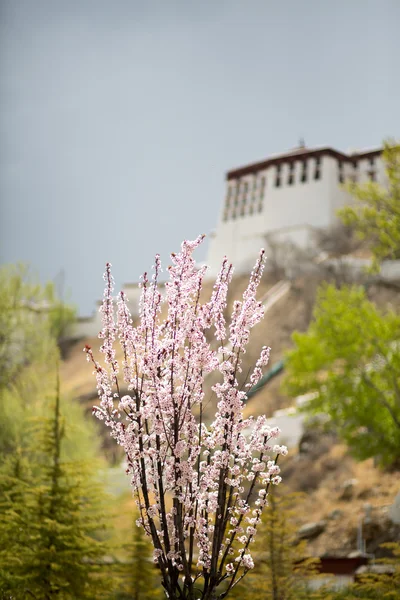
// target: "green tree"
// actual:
[[137, 574], [15, 479], [350, 358], [283, 567], [32, 318], [376, 214], [32, 321], [52, 520]]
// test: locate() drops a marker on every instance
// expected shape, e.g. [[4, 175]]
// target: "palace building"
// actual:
[[286, 196]]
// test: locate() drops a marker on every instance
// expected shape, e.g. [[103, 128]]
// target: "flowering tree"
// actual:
[[200, 487]]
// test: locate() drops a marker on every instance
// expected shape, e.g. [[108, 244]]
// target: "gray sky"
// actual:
[[119, 118]]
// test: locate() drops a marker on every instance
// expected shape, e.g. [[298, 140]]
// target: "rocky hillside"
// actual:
[[340, 494]]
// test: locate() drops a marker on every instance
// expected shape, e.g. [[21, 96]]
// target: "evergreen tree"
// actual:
[[282, 565], [137, 573], [51, 522], [15, 482]]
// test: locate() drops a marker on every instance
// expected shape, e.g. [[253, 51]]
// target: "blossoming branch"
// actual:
[[200, 487]]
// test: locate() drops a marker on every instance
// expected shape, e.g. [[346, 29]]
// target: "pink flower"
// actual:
[[247, 562], [210, 471]]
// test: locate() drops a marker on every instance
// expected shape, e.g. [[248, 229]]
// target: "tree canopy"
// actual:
[[375, 216], [32, 322], [52, 516], [350, 358]]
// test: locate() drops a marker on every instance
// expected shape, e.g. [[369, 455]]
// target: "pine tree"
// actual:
[[51, 522], [14, 522], [137, 573], [282, 566]]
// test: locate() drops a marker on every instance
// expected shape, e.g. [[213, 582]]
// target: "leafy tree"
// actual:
[[350, 358], [282, 565], [32, 320], [376, 214], [51, 521]]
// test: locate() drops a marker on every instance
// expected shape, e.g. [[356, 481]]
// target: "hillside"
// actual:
[[339, 491]]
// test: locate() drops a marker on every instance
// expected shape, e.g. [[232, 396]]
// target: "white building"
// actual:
[[286, 196]]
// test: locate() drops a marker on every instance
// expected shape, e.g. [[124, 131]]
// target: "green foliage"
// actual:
[[52, 520], [32, 320], [14, 487], [385, 584], [282, 567], [138, 578], [376, 215], [374, 585], [350, 357]]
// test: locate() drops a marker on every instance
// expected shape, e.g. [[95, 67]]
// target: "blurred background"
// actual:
[[119, 121]]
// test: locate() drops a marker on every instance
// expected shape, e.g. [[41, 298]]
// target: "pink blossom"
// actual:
[[209, 471]]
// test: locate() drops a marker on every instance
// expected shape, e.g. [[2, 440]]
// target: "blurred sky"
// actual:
[[119, 118]]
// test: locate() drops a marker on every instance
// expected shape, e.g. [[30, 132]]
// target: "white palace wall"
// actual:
[[287, 201]]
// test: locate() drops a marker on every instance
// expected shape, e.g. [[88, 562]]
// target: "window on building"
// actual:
[[254, 188], [228, 197], [262, 187], [263, 183], [237, 193], [372, 175], [291, 174], [225, 215], [317, 172], [354, 176], [372, 161], [304, 172], [251, 209], [340, 172], [278, 176]]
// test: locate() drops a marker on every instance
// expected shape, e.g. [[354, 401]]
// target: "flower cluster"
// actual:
[[200, 487]]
